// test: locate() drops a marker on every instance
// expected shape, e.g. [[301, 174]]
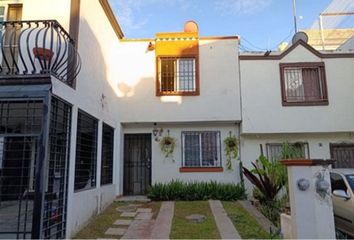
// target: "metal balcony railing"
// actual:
[[31, 48]]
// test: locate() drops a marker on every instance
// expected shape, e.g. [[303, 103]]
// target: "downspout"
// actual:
[[239, 130]]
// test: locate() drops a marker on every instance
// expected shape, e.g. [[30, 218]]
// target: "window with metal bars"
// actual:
[[55, 206], [107, 154], [86, 152], [274, 150], [303, 84], [177, 76], [201, 149]]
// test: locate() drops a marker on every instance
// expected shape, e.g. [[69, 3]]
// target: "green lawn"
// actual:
[[245, 224], [100, 223], [183, 229]]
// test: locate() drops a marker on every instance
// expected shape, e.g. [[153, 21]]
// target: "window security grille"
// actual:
[[107, 154], [201, 149], [177, 75], [274, 150], [303, 84], [86, 152]]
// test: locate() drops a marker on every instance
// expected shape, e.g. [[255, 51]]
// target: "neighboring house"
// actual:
[[328, 39], [302, 96], [59, 129]]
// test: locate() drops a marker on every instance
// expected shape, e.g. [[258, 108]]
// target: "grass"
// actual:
[[183, 229], [245, 224], [99, 224]]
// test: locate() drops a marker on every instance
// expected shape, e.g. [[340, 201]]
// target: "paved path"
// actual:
[[163, 223], [226, 228], [258, 216]]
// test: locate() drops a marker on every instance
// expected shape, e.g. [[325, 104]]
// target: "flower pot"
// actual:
[[43, 53]]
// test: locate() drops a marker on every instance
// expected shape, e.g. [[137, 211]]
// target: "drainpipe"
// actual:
[[239, 129]]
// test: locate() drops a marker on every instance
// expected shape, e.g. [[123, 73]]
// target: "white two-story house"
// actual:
[[301, 96], [83, 110]]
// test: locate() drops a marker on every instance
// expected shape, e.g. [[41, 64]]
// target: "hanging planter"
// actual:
[[167, 146], [231, 150]]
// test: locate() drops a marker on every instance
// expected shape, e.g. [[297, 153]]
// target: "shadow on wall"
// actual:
[[92, 82], [138, 83]]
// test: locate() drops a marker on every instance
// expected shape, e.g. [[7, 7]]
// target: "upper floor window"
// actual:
[[303, 84], [201, 149], [177, 76]]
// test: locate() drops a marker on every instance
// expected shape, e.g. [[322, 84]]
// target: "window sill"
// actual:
[[201, 169], [309, 103], [160, 94]]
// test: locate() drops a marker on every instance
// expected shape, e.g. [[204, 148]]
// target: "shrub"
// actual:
[[178, 190]]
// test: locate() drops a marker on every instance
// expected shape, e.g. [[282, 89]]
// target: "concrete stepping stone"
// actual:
[[115, 231], [128, 214], [144, 210], [123, 222], [224, 224], [127, 209], [144, 216], [163, 223]]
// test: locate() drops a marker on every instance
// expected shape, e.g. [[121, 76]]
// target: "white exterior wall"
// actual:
[[262, 108], [165, 169], [93, 94], [318, 145], [219, 99], [44, 9]]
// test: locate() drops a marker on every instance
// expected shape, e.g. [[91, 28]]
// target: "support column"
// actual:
[[310, 199]]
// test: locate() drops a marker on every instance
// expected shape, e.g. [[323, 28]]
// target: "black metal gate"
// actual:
[[33, 185], [137, 163], [343, 154]]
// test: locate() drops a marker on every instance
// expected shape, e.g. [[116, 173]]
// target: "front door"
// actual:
[[343, 154], [137, 163]]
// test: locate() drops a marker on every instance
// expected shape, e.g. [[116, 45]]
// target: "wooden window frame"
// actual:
[[160, 93], [201, 168], [324, 92]]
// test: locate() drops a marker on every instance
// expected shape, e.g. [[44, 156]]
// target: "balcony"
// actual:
[[35, 50]]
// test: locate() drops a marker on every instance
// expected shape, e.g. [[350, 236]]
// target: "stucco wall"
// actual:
[[135, 76], [43, 9], [165, 169], [262, 104], [94, 94]]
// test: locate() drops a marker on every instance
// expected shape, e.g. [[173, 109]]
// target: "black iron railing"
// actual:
[[40, 47]]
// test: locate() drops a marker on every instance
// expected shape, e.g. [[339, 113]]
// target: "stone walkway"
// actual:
[[163, 223], [143, 226], [226, 228]]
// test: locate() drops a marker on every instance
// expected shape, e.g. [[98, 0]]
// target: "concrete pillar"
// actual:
[[310, 199]]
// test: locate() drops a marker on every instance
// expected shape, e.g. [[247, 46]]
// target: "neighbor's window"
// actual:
[[177, 76], [303, 84], [86, 152], [274, 150], [201, 149], [107, 154]]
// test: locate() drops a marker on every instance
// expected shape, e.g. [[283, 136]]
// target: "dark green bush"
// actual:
[[178, 190]]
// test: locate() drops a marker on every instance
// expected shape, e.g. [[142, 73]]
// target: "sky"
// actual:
[[261, 24]]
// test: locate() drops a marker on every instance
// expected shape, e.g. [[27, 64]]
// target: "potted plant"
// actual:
[[231, 150], [167, 146]]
